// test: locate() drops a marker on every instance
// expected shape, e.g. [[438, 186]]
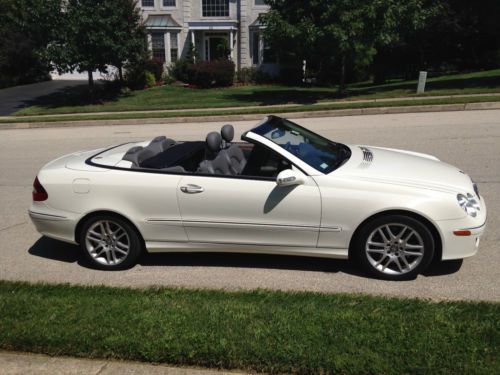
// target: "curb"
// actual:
[[258, 116]]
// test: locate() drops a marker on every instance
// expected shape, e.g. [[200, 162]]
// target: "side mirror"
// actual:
[[289, 177]]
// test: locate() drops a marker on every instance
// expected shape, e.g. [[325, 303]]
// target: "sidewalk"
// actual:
[[23, 363]]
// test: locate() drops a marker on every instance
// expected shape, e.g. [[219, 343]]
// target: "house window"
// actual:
[[174, 47], [215, 8], [261, 53], [148, 3], [255, 48], [158, 46], [260, 2], [169, 3]]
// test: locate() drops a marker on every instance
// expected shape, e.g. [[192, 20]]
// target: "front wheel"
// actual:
[[394, 247], [110, 243]]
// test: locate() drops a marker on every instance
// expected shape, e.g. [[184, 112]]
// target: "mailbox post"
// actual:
[[422, 78]]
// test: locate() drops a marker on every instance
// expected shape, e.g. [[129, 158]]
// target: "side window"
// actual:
[[263, 162]]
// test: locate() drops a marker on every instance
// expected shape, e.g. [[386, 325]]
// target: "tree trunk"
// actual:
[[91, 82], [120, 73], [342, 88]]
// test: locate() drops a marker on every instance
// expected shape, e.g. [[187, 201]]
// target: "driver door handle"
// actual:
[[192, 189]]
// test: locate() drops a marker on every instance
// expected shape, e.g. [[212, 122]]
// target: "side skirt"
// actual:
[[192, 247]]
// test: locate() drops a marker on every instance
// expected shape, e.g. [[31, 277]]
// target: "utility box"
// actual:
[[422, 78]]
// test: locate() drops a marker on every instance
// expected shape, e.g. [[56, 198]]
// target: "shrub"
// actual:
[[154, 66], [211, 73], [247, 75], [290, 74], [135, 77], [179, 70], [168, 79], [150, 79]]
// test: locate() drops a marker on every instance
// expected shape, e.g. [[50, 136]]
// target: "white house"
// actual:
[[212, 26]]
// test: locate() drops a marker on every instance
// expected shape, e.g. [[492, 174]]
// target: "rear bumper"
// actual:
[[59, 226]]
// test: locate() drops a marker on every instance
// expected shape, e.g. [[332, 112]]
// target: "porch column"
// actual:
[[150, 44], [231, 44], [168, 58], [261, 48], [193, 45]]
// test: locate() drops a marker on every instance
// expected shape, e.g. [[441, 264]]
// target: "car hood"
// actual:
[[406, 168]]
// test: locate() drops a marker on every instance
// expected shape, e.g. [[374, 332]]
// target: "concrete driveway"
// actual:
[[470, 140], [13, 99]]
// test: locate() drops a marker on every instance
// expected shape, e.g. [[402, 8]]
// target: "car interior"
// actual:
[[218, 155]]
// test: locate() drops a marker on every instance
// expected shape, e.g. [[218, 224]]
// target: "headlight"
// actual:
[[469, 204]]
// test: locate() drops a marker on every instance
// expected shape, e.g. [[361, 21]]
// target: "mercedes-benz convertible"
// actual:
[[282, 190]]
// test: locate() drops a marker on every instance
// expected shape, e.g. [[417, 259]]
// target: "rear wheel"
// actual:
[[110, 243], [394, 247]]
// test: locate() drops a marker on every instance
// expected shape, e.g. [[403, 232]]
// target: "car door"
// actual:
[[249, 210]]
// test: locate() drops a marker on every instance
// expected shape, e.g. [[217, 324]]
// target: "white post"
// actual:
[[422, 78], [150, 44], [261, 48], [193, 46], [231, 45], [168, 58]]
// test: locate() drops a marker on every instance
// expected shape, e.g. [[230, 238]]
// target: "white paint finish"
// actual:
[[243, 211]]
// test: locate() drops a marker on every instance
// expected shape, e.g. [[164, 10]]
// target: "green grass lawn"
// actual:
[[257, 331], [259, 110], [75, 100]]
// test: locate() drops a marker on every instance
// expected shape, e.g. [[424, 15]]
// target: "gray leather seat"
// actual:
[[233, 154], [215, 159], [160, 144], [136, 155]]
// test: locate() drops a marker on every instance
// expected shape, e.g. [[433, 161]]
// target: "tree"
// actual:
[[127, 34], [26, 28], [96, 34], [334, 35]]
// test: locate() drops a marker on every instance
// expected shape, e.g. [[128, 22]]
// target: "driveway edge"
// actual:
[[258, 116]]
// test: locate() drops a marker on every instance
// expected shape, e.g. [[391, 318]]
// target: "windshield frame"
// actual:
[[343, 153]]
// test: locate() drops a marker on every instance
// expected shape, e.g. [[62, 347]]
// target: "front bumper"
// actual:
[[462, 246]]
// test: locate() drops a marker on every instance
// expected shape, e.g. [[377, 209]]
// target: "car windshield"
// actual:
[[320, 153]]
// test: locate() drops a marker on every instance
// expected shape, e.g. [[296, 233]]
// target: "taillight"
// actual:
[[39, 193]]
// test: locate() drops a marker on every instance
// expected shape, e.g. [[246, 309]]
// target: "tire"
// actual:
[[394, 247], [110, 243]]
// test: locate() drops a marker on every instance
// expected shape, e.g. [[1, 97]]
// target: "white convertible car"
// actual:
[[283, 190]]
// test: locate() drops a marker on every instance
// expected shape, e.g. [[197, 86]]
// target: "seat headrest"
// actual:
[[213, 141], [227, 132]]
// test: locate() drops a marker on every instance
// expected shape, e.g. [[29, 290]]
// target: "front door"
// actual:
[[216, 47], [249, 211]]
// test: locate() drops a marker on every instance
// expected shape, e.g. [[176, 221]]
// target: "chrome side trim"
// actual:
[[42, 216]]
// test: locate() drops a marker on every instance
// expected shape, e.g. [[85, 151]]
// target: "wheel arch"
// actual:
[[436, 235], [89, 215]]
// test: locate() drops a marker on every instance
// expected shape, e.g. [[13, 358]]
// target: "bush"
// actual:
[[154, 66], [247, 75], [168, 79], [150, 79], [179, 70], [135, 77], [291, 74], [211, 73]]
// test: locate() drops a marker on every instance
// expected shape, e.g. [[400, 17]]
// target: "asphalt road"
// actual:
[[470, 140], [14, 98]]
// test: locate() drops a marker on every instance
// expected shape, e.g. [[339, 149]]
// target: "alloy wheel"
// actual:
[[394, 249]]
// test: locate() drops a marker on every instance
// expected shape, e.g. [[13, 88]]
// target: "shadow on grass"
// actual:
[[62, 252], [285, 96], [78, 96]]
